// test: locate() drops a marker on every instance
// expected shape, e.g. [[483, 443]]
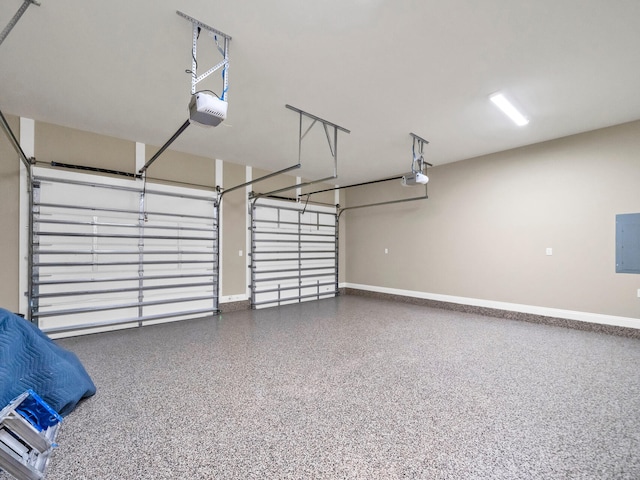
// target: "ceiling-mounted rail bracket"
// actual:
[[418, 157], [330, 130], [418, 163], [198, 26], [333, 143], [16, 18]]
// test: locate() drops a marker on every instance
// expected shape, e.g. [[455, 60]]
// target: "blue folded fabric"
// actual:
[[31, 360]]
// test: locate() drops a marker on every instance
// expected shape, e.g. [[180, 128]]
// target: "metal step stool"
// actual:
[[28, 427]]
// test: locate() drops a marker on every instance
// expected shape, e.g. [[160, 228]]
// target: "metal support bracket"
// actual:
[[198, 26], [333, 148], [16, 18], [418, 158]]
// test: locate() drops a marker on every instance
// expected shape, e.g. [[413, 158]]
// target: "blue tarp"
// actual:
[[31, 360]]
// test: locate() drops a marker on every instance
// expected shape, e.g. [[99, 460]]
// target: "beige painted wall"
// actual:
[[54, 143], [483, 231], [234, 231], [9, 219], [178, 167], [67, 145]]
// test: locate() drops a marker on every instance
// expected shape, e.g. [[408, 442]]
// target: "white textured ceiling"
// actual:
[[379, 68]]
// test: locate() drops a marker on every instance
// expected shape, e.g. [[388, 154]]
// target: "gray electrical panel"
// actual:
[[628, 243]]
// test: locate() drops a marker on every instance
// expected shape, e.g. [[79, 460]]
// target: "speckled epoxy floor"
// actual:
[[354, 387]]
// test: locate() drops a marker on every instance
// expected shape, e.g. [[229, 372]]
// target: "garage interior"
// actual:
[[364, 268]]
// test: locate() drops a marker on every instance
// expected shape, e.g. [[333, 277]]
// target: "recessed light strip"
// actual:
[[509, 110]]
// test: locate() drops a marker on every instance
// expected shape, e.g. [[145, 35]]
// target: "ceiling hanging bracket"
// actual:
[[333, 147], [206, 107], [326, 131], [418, 163], [198, 26], [16, 18]]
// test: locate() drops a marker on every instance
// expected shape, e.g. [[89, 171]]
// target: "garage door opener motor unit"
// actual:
[[417, 176], [207, 109]]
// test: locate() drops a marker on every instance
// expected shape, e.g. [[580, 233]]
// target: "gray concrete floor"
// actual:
[[354, 387]]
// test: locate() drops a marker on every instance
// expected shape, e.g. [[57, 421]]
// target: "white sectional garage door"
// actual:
[[108, 251], [294, 253]]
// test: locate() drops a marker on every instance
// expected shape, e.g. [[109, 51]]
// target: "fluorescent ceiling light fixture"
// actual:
[[509, 110]]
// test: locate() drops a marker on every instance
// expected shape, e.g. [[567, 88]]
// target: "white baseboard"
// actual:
[[512, 307]]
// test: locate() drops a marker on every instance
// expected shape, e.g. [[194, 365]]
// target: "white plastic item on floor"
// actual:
[[28, 427]]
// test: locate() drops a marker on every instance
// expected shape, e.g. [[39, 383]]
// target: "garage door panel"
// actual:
[[293, 253], [100, 254]]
